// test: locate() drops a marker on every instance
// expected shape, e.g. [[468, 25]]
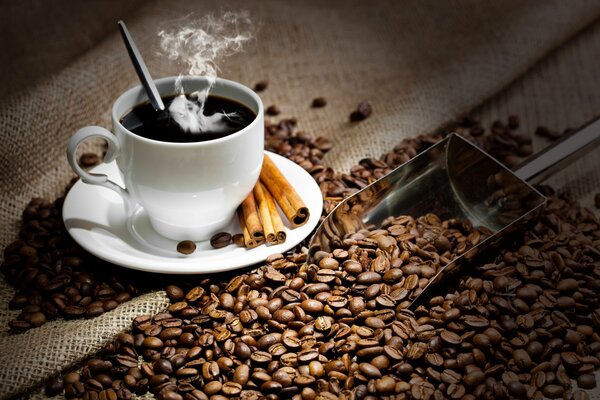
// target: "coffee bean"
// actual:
[[450, 337], [553, 391], [370, 371], [451, 315], [522, 358], [241, 374], [570, 359], [308, 355], [36, 319], [586, 381], [474, 377], [232, 388], [517, 389], [284, 316], [261, 357], [88, 160], [579, 394], [238, 240], [267, 341], [319, 102], [363, 110], [220, 239], [73, 311], [169, 395], [108, 394], [374, 322], [260, 86], [152, 343], [212, 387], [186, 247], [163, 366], [126, 361], [53, 387], [272, 110]]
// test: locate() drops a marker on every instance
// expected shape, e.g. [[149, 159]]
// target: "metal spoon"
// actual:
[[141, 69], [453, 179]]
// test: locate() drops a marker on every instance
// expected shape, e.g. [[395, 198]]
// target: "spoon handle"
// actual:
[[141, 69]]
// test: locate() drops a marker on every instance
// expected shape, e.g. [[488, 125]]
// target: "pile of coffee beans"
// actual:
[[54, 277], [520, 322]]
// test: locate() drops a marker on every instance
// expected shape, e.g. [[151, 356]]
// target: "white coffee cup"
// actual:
[[189, 190]]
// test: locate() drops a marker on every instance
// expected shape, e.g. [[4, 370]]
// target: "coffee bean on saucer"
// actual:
[[261, 85], [238, 239], [272, 110], [186, 247], [363, 110], [220, 239], [319, 102]]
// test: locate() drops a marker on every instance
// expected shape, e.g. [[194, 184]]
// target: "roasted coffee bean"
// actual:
[[369, 370], [232, 388], [163, 366], [153, 343], [450, 337], [272, 110], [260, 86], [586, 381], [261, 357], [363, 110], [517, 390], [220, 239], [88, 160], [553, 391], [579, 394], [522, 359], [319, 102], [54, 387], [238, 240], [186, 247]]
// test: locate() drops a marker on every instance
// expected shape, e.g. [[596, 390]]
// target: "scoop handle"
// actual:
[[562, 152]]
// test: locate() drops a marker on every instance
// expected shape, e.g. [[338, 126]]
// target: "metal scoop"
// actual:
[[453, 179]]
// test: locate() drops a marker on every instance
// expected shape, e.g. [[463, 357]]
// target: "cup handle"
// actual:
[[111, 153]]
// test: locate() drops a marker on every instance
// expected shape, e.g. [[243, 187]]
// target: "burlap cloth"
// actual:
[[420, 64]]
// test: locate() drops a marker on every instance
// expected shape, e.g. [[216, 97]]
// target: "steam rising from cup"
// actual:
[[200, 44]]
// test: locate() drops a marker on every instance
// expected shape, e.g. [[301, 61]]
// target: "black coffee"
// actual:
[[145, 121]]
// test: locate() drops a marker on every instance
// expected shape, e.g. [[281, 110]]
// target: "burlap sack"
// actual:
[[420, 64]]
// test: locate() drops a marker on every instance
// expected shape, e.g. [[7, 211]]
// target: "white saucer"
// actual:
[[95, 217]]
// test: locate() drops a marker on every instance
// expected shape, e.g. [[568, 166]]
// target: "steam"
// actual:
[[201, 44]]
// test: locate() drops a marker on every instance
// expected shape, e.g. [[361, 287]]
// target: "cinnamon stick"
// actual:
[[249, 241], [284, 193], [252, 220], [269, 215]]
